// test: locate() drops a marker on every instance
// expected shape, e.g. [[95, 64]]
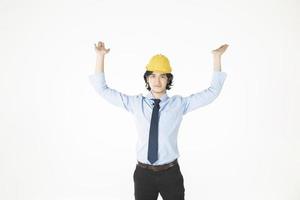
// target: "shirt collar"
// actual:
[[162, 98]]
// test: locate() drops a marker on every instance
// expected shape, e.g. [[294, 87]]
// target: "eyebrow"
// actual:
[[159, 74]]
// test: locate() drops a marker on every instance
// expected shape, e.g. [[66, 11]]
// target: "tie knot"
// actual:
[[156, 101]]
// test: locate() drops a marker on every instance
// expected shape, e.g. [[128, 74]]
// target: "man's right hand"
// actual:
[[100, 49]]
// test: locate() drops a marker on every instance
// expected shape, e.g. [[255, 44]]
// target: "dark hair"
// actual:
[[169, 84]]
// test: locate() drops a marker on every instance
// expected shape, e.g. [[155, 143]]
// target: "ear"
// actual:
[[169, 80]]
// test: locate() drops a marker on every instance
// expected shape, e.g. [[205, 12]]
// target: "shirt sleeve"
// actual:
[[113, 96], [206, 96]]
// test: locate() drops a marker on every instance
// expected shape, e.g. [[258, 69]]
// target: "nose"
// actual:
[[157, 81]]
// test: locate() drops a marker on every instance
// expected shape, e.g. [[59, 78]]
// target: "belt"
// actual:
[[157, 168]]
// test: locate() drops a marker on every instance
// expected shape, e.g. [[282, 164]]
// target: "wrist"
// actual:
[[216, 55], [99, 55], [217, 69]]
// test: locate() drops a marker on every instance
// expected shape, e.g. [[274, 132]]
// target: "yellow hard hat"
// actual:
[[159, 63]]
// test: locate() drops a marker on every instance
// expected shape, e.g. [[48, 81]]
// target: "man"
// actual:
[[158, 118]]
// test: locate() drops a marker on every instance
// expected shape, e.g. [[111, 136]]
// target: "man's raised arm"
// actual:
[[208, 95], [99, 83]]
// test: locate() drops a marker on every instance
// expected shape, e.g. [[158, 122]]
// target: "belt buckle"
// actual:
[[159, 167], [153, 168]]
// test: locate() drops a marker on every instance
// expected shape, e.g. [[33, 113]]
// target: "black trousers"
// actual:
[[168, 183]]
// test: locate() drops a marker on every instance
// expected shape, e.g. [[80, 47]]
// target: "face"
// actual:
[[158, 82]]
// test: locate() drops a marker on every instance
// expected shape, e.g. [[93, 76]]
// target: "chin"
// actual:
[[158, 91]]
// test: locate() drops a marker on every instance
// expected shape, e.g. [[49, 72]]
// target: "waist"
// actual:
[[157, 168]]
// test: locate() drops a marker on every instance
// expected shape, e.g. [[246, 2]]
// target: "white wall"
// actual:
[[60, 140]]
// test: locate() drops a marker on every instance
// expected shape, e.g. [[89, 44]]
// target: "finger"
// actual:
[[223, 46], [220, 47]]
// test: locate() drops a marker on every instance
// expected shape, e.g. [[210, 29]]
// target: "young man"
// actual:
[[158, 118]]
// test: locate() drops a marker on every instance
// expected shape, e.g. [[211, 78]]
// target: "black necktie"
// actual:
[[153, 133]]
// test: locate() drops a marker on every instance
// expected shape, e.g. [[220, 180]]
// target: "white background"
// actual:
[[60, 140]]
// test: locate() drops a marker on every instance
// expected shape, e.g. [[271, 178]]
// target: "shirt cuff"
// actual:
[[218, 78], [220, 74], [97, 79]]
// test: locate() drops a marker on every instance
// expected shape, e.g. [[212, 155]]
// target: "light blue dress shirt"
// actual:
[[171, 111]]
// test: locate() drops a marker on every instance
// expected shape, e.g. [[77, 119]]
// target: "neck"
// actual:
[[157, 95]]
